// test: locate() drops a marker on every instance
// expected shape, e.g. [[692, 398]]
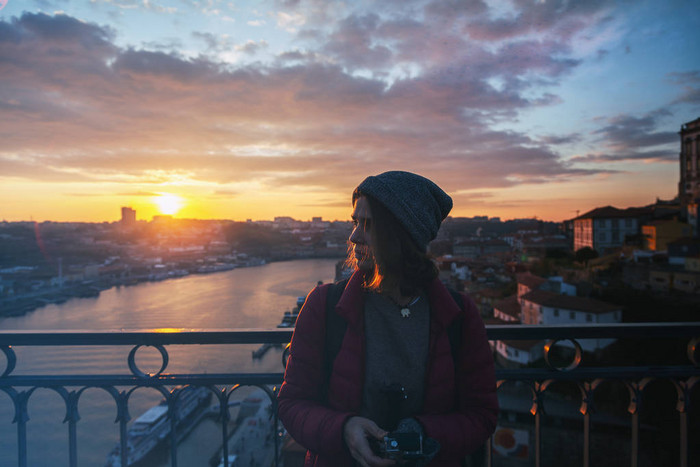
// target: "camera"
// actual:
[[401, 446]]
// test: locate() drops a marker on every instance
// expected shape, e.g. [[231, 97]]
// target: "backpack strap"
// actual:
[[335, 331], [454, 329]]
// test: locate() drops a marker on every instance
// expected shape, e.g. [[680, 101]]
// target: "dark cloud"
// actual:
[[690, 83], [252, 47], [626, 132], [352, 43], [560, 139], [645, 156], [561, 18], [62, 28]]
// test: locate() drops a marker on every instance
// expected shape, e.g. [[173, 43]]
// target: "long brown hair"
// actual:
[[398, 261]]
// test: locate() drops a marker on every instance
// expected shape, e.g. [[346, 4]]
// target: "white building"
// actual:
[[548, 308], [607, 227]]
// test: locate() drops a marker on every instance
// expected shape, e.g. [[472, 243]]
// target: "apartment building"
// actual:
[[607, 227]]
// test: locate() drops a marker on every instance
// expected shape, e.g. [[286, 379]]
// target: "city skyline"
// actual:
[[254, 110]]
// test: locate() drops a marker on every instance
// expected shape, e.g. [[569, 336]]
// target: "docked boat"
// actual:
[[153, 427], [289, 319]]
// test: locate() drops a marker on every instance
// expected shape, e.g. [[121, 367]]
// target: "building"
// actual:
[[608, 227], [689, 184], [658, 234], [550, 301], [128, 217], [543, 307]]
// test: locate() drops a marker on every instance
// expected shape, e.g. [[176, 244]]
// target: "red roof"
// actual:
[[530, 280], [567, 302], [509, 306]]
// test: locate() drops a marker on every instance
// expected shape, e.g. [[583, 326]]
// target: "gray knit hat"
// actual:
[[418, 203]]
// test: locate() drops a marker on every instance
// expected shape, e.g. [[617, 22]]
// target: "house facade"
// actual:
[[549, 308], [605, 228]]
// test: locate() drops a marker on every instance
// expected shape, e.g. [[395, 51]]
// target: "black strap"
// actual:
[[335, 331], [454, 329]]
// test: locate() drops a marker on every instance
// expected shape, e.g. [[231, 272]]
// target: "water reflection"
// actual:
[[240, 298]]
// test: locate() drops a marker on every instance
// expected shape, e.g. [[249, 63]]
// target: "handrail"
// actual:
[[278, 336]]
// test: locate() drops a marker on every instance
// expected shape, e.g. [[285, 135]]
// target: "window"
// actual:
[[556, 312], [572, 315], [589, 318]]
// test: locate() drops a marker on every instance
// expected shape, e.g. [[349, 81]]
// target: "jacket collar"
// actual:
[[351, 303]]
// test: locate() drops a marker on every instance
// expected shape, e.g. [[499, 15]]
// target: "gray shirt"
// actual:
[[396, 356]]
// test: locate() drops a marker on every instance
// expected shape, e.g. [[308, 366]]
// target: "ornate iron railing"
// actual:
[[683, 375]]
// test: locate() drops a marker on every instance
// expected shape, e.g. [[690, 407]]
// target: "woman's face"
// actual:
[[361, 237]]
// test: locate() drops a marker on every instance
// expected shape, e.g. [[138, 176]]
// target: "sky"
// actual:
[[218, 109]]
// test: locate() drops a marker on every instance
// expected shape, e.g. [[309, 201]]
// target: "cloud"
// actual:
[[252, 47], [77, 107], [689, 81], [626, 132], [630, 138], [290, 21], [642, 156]]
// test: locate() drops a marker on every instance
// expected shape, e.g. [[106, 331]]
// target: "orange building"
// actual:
[[658, 234]]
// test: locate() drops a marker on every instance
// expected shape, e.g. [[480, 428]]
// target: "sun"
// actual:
[[168, 203]]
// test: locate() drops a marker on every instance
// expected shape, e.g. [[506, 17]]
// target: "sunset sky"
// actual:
[[255, 109]]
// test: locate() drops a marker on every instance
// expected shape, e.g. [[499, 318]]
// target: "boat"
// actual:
[[153, 427], [251, 443], [289, 319]]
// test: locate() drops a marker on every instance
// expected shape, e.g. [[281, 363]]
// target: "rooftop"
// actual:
[[611, 212], [554, 300]]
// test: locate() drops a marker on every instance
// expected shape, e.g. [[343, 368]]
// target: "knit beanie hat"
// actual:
[[418, 203]]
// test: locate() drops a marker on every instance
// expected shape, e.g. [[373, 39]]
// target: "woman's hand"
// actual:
[[355, 433]]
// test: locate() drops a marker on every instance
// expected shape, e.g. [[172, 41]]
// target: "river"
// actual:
[[253, 297]]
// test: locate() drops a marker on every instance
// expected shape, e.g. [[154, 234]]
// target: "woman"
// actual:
[[397, 368]]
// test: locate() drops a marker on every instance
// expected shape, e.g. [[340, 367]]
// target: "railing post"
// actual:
[[684, 388], [225, 417], [172, 415], [635, 393], [73, 418], [21, 418], [537, 410], [586, 409], [123, 417]]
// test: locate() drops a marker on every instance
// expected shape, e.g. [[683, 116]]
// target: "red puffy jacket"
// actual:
[[459, 409]]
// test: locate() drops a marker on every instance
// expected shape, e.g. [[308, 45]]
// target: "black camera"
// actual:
[[402, 446]]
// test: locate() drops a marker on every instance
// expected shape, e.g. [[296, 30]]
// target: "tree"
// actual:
[[585, 254]]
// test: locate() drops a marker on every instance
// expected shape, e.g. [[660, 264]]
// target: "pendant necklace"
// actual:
[[405, 309]]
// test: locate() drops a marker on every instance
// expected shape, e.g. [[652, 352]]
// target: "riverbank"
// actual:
[[19, 305]]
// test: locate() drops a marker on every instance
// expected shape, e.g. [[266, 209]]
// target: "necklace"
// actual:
[[405, 309]]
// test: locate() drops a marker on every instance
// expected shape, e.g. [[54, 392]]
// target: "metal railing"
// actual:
[[586, 376]]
